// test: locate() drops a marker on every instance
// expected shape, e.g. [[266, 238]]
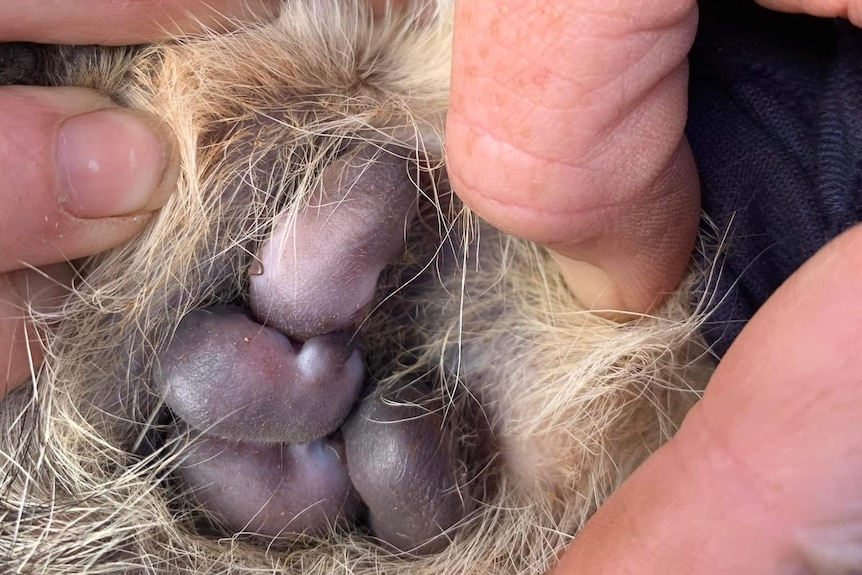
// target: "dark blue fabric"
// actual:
[[775, 123]]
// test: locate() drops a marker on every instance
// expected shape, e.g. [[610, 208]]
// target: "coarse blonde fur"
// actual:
[[571, 402]]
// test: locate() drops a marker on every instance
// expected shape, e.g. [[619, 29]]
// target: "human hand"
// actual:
[[850, 9], [763, 476], [566, 128], [80, 174]]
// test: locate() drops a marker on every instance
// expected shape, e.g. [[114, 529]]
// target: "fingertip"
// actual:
[[642, 251], [114, 162], [688, 509], [81, 175], [620, 260], [848, 9], [545, 143], [763, 476]]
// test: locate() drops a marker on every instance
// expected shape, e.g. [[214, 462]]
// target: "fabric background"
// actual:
[[775, 125]]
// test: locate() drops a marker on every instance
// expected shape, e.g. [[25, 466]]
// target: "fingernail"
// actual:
[[114, 162]]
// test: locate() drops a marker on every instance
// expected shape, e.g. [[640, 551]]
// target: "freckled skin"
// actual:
[[320, 273], [270, 490], [405, 466], [230, 377]]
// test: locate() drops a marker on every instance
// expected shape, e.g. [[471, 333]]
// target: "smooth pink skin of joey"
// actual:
[[405, 465], [270, 490], [320, 270], [230, 377]]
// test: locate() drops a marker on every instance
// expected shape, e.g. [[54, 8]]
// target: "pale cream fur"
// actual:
[[574, 401]]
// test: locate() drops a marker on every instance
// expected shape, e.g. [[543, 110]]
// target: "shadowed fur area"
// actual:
[[552, 406]]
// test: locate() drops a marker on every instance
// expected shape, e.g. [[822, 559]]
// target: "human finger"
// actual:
[[565, 127], [850, 9], [80, 174], [23, 293], [764, 475], [120, 23]]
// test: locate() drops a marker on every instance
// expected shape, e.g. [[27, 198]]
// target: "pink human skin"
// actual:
[[565, 127], [37, 227], [791, 379]]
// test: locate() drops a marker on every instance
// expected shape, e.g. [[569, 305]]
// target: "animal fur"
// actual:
[[565, 404]]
